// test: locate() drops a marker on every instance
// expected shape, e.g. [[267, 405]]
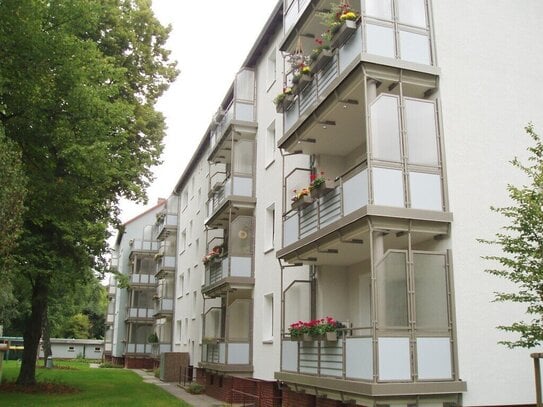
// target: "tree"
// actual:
[[12, 193], [522, 245], [78, 86]]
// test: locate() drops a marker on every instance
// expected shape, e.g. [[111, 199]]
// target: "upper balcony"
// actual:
[[110, 315], [232, 185], [139, 314], [114, 262], [390, 164], [229, 263], [389, 283], [138, 246], [166, 257], [236, 118], [378, 38], [164, 297], [226, 341]]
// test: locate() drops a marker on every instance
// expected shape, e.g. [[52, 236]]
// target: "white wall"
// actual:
[[490, 55]]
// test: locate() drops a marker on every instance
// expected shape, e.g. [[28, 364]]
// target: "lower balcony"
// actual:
[[163, 307], [142, 280], [158, 348], [139, 314], [139, 348], [222, 356], [226, 273]]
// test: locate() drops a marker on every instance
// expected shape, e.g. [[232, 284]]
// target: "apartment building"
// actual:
[[132, 317], [359, 197]]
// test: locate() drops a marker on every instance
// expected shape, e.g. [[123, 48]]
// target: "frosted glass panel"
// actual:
[[241, 236], [290, 230], [414, 47], [388, 187], [392, 291], [244, 112], [412, 12], [243, 186], [245, 85], [289, 359], [425, 191], [243, 157], [420, 120], [394, 359], [379, 8], [355, 192], [238, 320], [238, 353], [240, 266], [359, 360], [349, 51], [430, 291], [434, 358], [380, 40], [385, 128]]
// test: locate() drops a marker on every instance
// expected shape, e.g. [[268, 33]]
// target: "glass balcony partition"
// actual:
[[294, 9]]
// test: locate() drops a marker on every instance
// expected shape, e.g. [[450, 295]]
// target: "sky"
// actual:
[[209, 42]]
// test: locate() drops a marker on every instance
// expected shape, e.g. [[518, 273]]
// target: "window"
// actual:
[[187, 331], [189, 233], [270, 228], [97, 349], [271, 68], [194, 305], [267, 318], [199, 199], [184, 199], [71, 349], [181, 284], [180, 331], [270, 148], [183, 242], [187, 283]]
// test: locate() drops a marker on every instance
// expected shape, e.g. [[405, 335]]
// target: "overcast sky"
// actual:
[[210, 41]]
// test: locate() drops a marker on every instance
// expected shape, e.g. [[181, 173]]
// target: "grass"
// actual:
[[97, 387]]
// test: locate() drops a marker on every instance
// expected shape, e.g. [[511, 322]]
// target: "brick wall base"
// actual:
[[295, 399], [138, 363], [234, 389], [119, 361], [107, 357]]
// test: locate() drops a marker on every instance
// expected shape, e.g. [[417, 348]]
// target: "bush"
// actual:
[[109, 365], [195, 388], [157, 372]]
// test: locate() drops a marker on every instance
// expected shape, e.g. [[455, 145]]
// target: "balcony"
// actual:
[[226, 343], [111, 290], [145, 280], [108, 347], [347, 365], [143, 246], [164, 264], [236, 116], [166, 225], [159, 348], [163, 307], [139, 348], [229, 272], [236, 191], [110, 318], [140, 314], [114, 264]]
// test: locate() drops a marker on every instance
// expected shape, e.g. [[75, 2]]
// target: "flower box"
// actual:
[[344, 33], [324, 188], [308, 338], [330, 336], [285, 104], [302, 202], [302, 83], [322, 60]]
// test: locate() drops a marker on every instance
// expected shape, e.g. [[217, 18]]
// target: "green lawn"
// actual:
[[98, 387]]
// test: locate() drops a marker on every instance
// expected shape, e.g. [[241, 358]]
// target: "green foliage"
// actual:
[[195, 388], [522, 245], [77, 327], [78, 87], [109, 365]]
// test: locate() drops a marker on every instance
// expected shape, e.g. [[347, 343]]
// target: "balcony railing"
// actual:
[[164, 305], [140, 313], [114, 264], [351, 357], [143, 348], [111, 289], [159, 348], [147, 279], [233, 185], [320, 85], [350, 194], [229, 266], [165, 263], [167, 222], [227, 353], [110, 318], [144, 245], [108, 347]]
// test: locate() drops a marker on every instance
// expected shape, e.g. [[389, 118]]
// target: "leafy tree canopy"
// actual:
[[78, 84], [521, 242]]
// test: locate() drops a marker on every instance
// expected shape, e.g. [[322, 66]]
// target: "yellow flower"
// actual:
[[348, 16]]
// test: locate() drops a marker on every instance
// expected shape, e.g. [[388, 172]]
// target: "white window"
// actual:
[[194, 305], [181, 284], [189, 233], [271, 68], [186, 331], [180, 331], [183, 242], [199, 199], [270, 144], [267, 318], [71, 349], [185, 199], [187, 283], [270, 227]]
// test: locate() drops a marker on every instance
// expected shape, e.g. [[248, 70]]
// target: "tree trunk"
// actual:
[[32, 331], [45, 333]]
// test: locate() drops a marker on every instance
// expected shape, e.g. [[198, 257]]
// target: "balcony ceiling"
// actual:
[[338, 127]]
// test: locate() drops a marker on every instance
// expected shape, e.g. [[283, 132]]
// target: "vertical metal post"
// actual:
[[537, 373]]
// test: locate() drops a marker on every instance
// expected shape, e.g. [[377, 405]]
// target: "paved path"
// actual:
[[195, 400]]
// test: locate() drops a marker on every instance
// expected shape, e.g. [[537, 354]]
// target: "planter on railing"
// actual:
[[302, 202], [344, 33], [323, 59], [322, 189], [301, 83], [284, 104]]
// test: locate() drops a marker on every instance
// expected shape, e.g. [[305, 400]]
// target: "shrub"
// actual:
[[195, 388]]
